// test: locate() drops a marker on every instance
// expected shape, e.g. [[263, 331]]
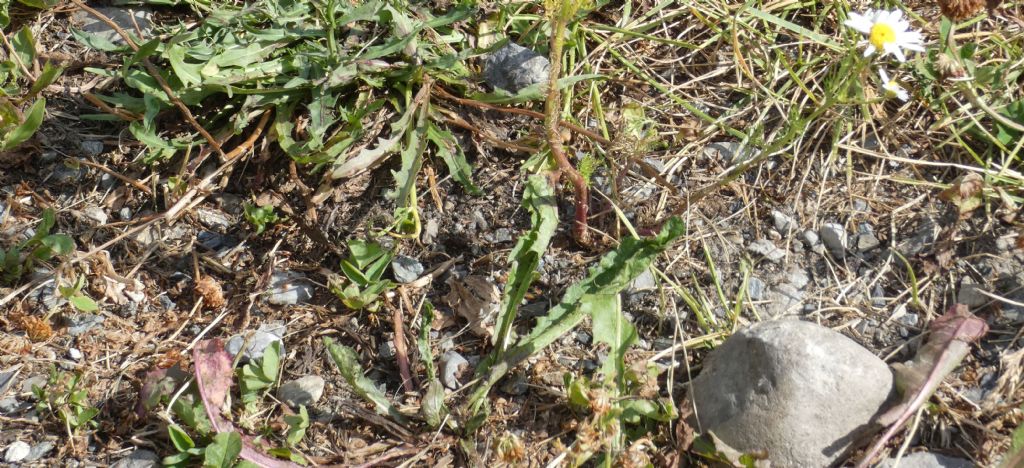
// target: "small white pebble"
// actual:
[[74, 354], [16, 452]]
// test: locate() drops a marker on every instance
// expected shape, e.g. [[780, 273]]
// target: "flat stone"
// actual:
[[288, 288], [9, 405], [261, 338], [784, 299], [970, 294], [91, 147], [303, 391], [34, 381], [125, 17], [97, 214], [867, 242], [39, 451], [833, 235], [784, 223], [924, 238], [62, 174], [17, 452], [927, 460], [767, 249], [406, 269], [138, 459], [755, 288], [452, 367], [798, 391], [643, 282], [514, 67], [797, 277], [81, 323], [214, 241], [214, 219], [74, 354]]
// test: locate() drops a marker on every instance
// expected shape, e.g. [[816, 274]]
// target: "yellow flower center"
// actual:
[[881, 34]]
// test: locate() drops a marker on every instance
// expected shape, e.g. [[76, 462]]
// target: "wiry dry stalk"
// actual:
[[552, 109]]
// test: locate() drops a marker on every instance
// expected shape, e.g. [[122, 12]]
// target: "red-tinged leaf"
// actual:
[[213, 377], [158, 383], [917, 380]]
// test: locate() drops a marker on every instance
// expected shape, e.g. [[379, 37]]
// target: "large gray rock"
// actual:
[[515, 67], [800, 392], [927, 460]]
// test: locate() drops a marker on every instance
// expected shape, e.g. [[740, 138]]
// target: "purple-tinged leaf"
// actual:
[[213, 377], [950, 340]]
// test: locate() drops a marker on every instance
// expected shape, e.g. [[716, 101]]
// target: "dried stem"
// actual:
[[552, 111], [155, 73]]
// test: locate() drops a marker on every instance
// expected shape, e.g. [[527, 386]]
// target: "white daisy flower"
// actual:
[[887, 31], [891, 87]]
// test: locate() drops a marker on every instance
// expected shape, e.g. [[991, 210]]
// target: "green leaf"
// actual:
[[224, 450], [145, 51], [423, 340], [432, 406], [610, 327], [530, 93], [177, 459], [59, 244], [85, 416], [27, 128], [25, 47], [451, 153], [297, 425], [95, 41], [46, 78], [188, 73], [347, 362], [180, 438], [613, 274], [83, 303], [539, 200], [271, 361]]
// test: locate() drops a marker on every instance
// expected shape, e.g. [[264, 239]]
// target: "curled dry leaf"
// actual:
[[210, 291], [965, 194], [477, 300], [213, 377]]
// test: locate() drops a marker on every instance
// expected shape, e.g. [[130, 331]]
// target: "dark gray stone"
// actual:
[[406, 269], [833, 235], [139, 458], [514, 67], [800, 392], [91, 147], [302, 391], [970, 294], [81, 323], [39, 451], [784, 223], [755, 288], [126, 18]]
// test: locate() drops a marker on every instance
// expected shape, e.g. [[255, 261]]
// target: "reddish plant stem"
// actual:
[[552, 110]]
